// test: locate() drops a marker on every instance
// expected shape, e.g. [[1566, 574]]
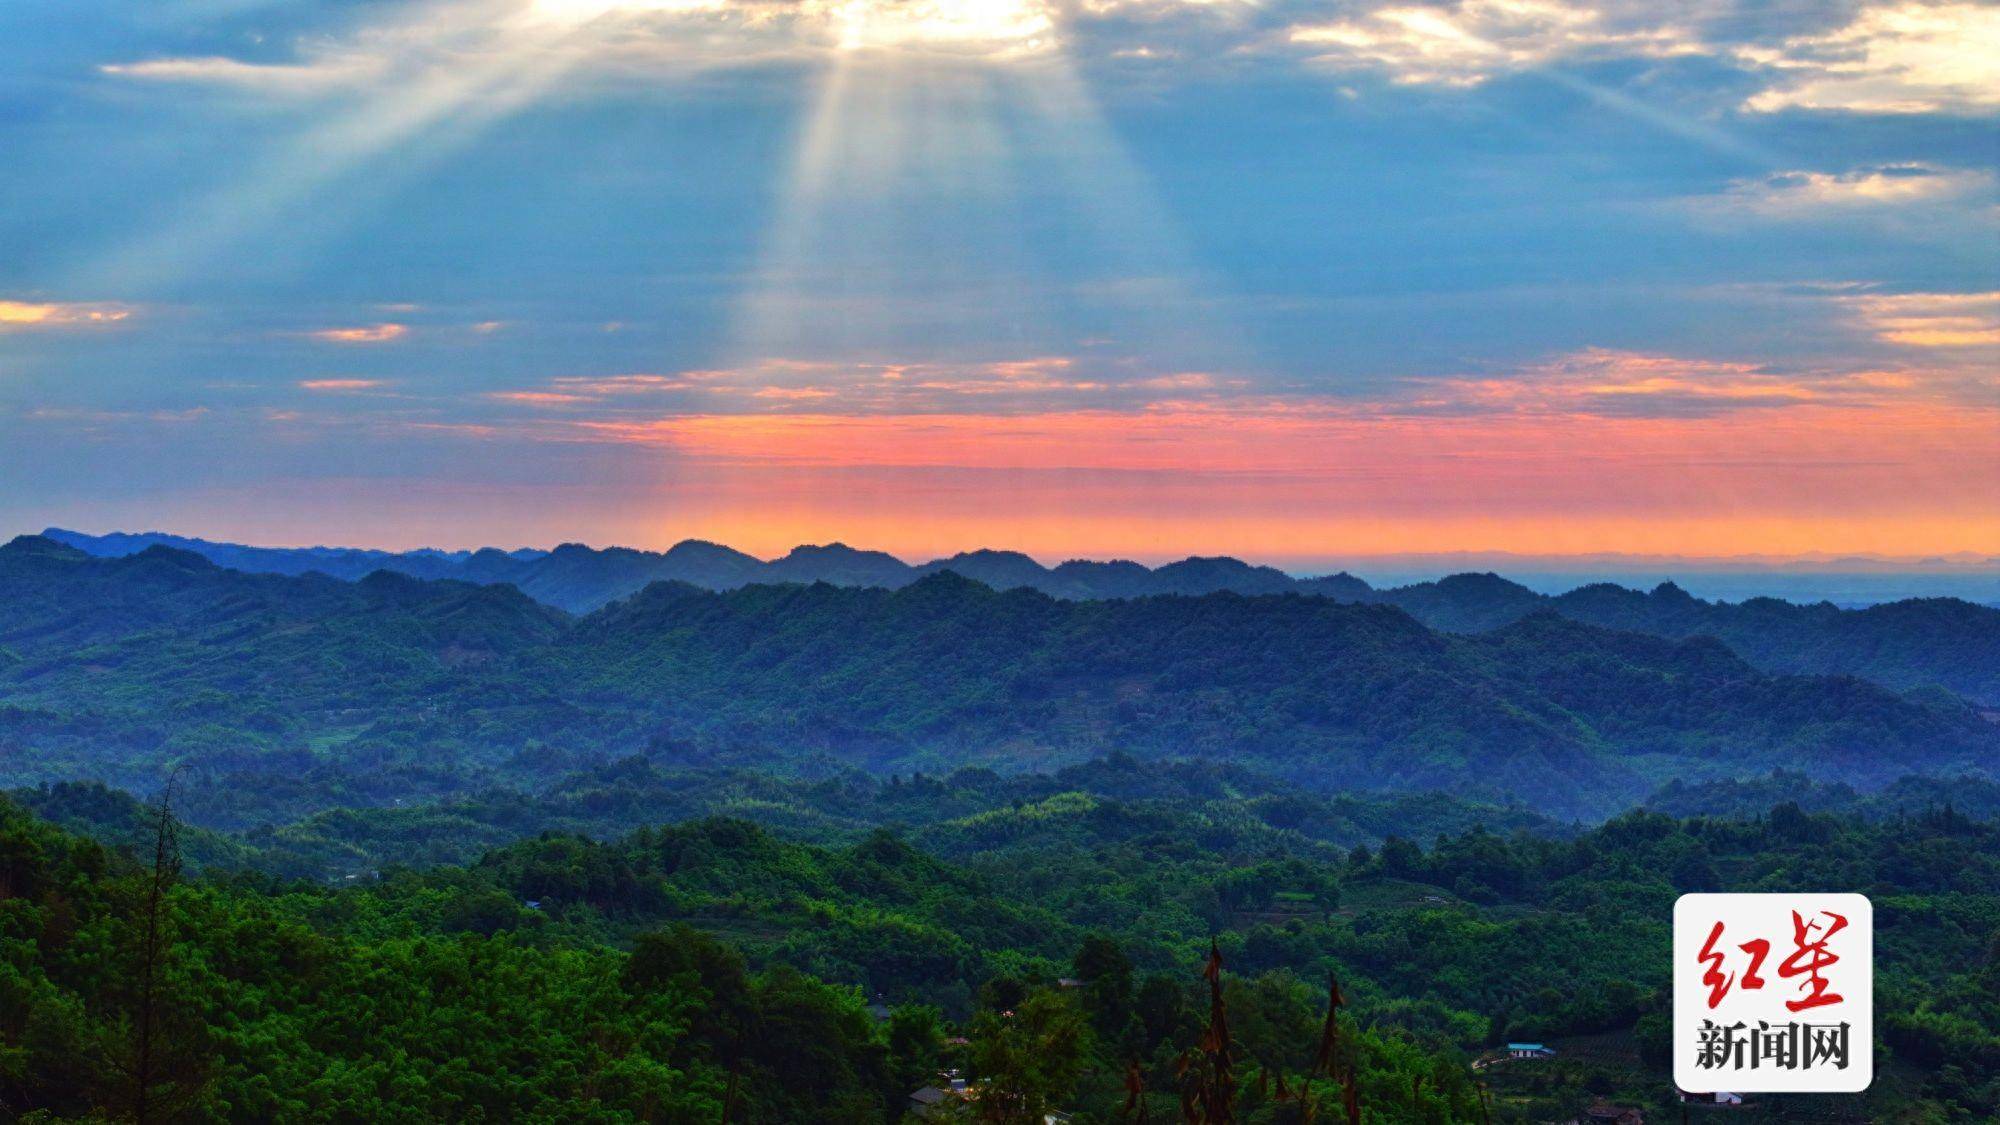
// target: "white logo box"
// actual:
[[1783, 1001]]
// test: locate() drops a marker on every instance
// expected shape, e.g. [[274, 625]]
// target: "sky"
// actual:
[[1285, 279]]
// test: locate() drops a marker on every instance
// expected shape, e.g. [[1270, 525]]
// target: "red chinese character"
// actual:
[[1758, 950], [1719, 982], [1816, 957]]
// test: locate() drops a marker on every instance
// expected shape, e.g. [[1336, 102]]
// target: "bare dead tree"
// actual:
[[1208, 1094], [1327, 1058], [1135, 1110]]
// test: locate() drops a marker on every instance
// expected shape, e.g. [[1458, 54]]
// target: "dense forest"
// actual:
[[950, 815], [713, 970]]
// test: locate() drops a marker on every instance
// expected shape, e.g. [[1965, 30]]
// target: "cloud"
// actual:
[[340, 384], [1466, 43], [600, 385], [1004, 27], [1930, 320], [542, 398], [1604, 382], [1001, 386], [361, 334], [1796, 194], [573, 12], [793, 394], [1458, 43], [313, 77], [1593, 382], [618, 37], [93, 420], [1889, 59], [29, 316], [1903, 56]]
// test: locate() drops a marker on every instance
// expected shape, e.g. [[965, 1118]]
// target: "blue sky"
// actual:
[[1138, 277]]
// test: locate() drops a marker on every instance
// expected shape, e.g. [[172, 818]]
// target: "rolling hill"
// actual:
[[395, 688], [1904, 645]]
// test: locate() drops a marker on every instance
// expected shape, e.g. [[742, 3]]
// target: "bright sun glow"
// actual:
[[984, 26], [575, 12]]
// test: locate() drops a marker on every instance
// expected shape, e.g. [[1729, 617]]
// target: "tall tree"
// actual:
[[1027, 1061], [165, 1064]]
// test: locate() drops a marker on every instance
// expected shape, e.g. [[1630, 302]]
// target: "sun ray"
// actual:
[[918, 181], [893, 217], [493, 61]]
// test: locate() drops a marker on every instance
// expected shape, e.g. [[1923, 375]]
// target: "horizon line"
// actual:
[[1966, 563]]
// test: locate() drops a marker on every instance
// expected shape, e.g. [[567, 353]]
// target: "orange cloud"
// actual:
[[22, 316], [364, 334], [339, 384]]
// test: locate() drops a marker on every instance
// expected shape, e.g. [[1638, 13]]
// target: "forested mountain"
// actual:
[[712, 970], [332, 693], [114, 668], [1923, 642], [1337, 695], [1902, 645]]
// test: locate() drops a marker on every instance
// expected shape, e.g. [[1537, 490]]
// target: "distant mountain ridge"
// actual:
[[310, 691], [1944, 642], [579, 578]]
